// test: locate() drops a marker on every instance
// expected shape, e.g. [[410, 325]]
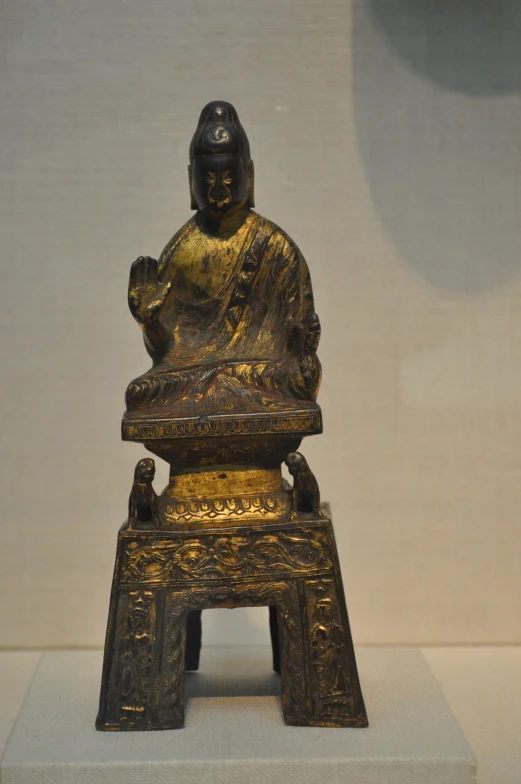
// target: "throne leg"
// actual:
[[144, 665], [275, 642], [193, 640], [333, 693], [327, 672]]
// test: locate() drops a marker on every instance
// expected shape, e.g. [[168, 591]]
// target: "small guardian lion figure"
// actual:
[[142, 503], [306, 494]]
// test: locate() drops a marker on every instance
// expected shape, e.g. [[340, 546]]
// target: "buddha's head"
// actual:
[[220, 170]]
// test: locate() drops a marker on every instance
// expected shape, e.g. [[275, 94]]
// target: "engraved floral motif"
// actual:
[[294, 422], [263, 505], [226, 555]]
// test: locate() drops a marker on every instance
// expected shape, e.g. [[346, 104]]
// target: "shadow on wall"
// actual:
[[436, 91]]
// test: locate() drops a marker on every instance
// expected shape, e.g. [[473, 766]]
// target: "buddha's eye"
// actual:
[[226, 179], [210, 178]]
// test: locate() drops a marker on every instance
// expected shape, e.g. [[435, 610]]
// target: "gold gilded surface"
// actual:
[[261, 509], [224, 481], [228, 320], [307, 421], [229, 493], [241, 343], [291, 567], [210, 555]]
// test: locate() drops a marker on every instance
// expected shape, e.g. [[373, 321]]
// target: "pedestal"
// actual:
[[164, 576]]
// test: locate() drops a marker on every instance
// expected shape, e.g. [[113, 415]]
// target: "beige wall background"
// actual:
[[386, 137]]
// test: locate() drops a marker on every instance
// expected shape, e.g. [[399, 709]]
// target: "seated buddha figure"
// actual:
[[227, 311]]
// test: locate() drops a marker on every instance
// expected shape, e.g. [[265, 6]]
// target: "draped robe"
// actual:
[[242, 349]]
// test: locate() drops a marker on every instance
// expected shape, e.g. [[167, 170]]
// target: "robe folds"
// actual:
[[250, 347]]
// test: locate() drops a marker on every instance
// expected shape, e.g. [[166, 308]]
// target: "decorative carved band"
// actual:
[[214, 556], [282, 422], [274, 506]]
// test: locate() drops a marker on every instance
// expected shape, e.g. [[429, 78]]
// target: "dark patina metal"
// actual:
[[228, 319]]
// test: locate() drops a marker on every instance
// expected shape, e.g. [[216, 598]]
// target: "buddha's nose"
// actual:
[[221, 194]]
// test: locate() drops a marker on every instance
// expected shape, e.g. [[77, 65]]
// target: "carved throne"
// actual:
[[227, 532]]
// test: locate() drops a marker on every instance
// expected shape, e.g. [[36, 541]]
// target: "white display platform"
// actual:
[[483, 689], [235, 732], [16, 673]]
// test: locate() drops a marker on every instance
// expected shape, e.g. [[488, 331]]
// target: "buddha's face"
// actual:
[[219, 182]]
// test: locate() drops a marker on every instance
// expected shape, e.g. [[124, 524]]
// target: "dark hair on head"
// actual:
[[219, 131]]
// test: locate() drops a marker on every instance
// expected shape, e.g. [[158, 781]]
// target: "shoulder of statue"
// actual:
[[282, 246], [171, 246], [280, 243]]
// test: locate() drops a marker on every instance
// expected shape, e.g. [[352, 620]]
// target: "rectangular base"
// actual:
[[235, 732], [164, 577]]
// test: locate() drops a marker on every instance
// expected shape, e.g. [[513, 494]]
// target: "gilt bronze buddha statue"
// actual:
[[227, 312], [229, 322]]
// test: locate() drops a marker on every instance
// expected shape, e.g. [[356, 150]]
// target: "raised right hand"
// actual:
[[146, 294]]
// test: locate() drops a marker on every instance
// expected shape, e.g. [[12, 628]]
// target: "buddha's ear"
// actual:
[[193, 202], [251, 190]]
